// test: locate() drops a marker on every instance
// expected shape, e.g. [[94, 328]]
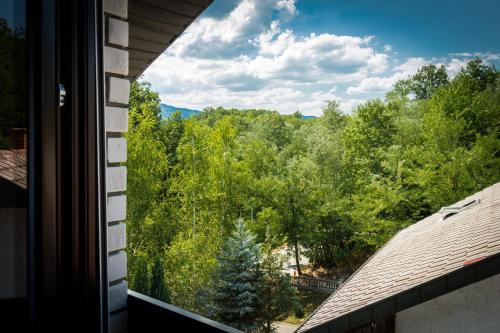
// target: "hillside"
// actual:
[[168, 110]]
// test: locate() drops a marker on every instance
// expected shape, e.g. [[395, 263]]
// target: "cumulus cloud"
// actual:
[[487, 56], [383, 84], [380, 85], [287, 8], [286, 100], [239, 60], [455, 65], [230, 36], [248, 58]]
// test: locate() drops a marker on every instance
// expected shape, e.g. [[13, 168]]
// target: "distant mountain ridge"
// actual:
[[168, 110]]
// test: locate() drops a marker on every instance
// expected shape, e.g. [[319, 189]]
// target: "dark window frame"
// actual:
[[67, 253]]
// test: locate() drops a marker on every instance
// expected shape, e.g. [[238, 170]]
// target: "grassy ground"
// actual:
[[310, 300]]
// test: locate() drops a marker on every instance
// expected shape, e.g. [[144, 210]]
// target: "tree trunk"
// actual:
[[297, 260]]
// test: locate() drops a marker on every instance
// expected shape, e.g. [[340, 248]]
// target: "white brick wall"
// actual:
[[116, 67], [115, 61], [116, 179], [118, 90], [116, 237], [116, 208], [116, 119], [117, 150], [117, 32], [117, 266], [116, 7]]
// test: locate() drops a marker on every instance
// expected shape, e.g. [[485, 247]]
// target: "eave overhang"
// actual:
[[154, 25]]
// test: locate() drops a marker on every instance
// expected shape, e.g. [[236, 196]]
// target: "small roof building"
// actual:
[[441, 274]]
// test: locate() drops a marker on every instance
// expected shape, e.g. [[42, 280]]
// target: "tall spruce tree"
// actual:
[[235, 298], [158, 289]]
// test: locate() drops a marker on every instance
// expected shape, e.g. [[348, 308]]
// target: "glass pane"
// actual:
[[13, 147]]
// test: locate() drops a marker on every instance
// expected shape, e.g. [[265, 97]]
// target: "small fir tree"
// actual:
[[158, 288], [235, 297]]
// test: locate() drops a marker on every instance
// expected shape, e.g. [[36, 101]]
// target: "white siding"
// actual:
[[472, 309]]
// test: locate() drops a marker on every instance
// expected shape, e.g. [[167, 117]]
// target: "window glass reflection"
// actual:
[[13, 149]]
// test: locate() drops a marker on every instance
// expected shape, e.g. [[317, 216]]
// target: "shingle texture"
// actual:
[[424, 251], [13, 166]]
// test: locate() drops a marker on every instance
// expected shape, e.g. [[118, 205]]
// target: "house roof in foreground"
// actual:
[[154, 25], [429, 258]]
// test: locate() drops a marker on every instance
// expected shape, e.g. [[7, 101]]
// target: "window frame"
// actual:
[[67, 253]]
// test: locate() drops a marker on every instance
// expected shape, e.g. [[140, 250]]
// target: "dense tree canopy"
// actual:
[[339, 185]]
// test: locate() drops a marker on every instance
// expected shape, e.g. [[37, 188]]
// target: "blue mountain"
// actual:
[[168, 110]]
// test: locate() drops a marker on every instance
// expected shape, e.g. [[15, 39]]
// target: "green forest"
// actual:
[[339, 186]]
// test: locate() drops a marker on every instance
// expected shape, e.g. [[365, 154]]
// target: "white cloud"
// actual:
[[455, 65], [246, 59], [285, 100], [231, 35], [410, 66], [380, 85], [288, 7], [383, 84], [240, 59], [373, 85], [483, 55]]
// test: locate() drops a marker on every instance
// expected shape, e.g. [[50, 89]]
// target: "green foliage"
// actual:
[[276, 294], [299, 312], [235, 299], [148, 229], [250, 290], [158, 288], [427, 80], [333, 116], [338, 186], [140, 277], [190, 262]]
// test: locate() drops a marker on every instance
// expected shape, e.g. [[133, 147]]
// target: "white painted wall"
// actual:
[[472, 309]]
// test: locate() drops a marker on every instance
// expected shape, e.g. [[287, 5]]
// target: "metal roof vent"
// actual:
[[452, 210]]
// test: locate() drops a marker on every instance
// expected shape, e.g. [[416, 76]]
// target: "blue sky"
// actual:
[[290, 55]]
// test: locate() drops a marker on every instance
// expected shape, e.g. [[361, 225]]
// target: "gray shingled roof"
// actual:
[[420, 253]]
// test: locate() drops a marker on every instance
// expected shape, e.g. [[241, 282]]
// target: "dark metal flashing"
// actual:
[[147, 314], [442, 285]]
